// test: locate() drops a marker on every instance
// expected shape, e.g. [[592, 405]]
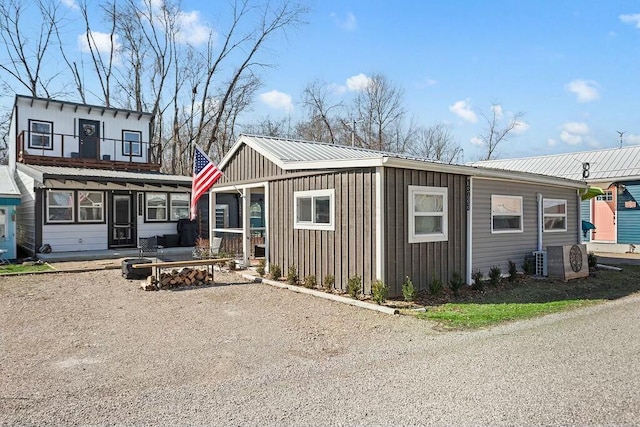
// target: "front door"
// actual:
[[89, 137], [604, 217], [122, 229]]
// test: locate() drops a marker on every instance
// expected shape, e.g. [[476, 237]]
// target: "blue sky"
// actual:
[[572, 67]]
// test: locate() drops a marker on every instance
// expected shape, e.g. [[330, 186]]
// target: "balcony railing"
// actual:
[[56, 149]]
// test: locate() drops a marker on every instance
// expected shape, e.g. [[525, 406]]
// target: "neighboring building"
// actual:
[[345, 211], [88, 177], [9, 201], [616, 213]]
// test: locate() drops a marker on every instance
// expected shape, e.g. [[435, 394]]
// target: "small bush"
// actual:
[[477, 277], [495, 274], [513, 271], [328, 282], [435, 286], [456, 283], [260, 268], [292, 275], [380, 291], [592, 260], [528, 266], [408, 290], [354, 285], [232, 265], [310, 282], [275, 272]]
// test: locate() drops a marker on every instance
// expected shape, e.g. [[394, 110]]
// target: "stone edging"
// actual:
[[321, 294]]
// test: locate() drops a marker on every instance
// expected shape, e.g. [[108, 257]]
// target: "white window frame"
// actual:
[[554, 215], [606, 197], [222, 212], [175, 196], [148, 208], [415, 190], [313, 225], [95, 205], [45, 136], [71, 206], [129, 145], [497, 214]]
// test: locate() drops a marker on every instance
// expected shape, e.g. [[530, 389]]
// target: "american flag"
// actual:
[[205, 174]]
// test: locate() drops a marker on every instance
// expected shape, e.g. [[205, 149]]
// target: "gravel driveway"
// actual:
[[92, 349]]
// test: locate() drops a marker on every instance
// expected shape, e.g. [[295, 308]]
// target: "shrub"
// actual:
[[275, 271], [260, 268], [232, 265], [408, 290], [478, 282], [495, 274], [292, 275], [354, 285], [310, 282], [528, 266], [592, 260], [380, 291], [456, 283], [328, 282], [435, 286], [513, 271]]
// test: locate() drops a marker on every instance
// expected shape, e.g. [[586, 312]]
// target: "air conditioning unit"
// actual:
[[540, 259]]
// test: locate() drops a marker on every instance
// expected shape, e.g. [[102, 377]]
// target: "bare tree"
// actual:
[[496, 132], [436, 143], [321, 124]]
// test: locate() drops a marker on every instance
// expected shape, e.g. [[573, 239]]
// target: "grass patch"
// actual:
[[471, 316], [21, 268]]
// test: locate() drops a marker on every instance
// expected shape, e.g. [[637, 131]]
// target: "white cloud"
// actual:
[[521, 127], [497, 110], [359, 82], [277, 100], [476, 141], [632, 139], [574, 133], [336, 88], [463, 110], [100, 41], [71, 4], [349, 23], [585, 90], [192, 30], [551, 142], [631, 19]]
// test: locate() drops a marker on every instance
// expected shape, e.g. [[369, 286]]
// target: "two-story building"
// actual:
[[89, 178]]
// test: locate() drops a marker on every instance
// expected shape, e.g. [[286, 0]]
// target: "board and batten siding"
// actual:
[[629, 213], [422, 262], [497, 249], [348, 250], [247, 165], [26, 213]]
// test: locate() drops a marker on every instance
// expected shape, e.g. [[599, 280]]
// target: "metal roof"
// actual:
[[58, 172], [8, 187], [608, 164]]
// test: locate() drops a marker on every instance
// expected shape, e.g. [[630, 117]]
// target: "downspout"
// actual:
[[540, 221], [469, 207]]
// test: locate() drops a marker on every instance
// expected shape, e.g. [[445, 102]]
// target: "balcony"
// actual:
[[55, 149]]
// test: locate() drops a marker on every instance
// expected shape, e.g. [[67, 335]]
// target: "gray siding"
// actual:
[[422, 261], [246, 165], [343, 253], [497, 249], [26, 213]]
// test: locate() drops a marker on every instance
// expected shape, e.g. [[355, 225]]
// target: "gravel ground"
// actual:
[[91, 348]]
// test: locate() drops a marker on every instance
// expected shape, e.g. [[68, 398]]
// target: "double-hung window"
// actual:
[[40, 134], [555, 214], [314, 210], [179, 206], [90, 206], [131, 143], [506, 214], [60, 206], [156, 204], [428, 214]]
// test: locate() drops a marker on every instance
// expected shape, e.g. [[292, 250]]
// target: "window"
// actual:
[[179, 206], [59, 206], [3, 223], [156, 206], [222, 216], [555, 214], [131, 143], [40, 134], [606, 197], [428, 214], [90, 206], [314, 210], [506, 214]]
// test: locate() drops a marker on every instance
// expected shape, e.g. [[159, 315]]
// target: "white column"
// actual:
[[246, 225]]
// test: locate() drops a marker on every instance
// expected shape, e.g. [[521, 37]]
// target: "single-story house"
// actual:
[[89, 179], [341, 211], [616, 213], [9, 201]]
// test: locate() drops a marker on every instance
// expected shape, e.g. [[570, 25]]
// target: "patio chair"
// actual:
[[148, 246]]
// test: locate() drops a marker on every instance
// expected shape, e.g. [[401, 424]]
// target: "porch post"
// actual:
[[212, 215], [266, 225], [246, 225]]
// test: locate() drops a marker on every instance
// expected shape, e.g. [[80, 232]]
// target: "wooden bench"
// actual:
[[160, 265]]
